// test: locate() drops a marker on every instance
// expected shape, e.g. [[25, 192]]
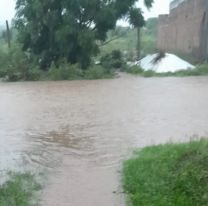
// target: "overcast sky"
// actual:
[[7, 10]]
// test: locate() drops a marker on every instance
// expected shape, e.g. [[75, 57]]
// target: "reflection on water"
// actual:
[[80, 131]]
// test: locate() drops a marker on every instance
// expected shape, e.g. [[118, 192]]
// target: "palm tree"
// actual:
[[148, 4]]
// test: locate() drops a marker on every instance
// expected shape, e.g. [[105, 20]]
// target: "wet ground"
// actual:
[[79, 132]]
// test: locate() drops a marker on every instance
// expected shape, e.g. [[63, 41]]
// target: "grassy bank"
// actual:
[[64, 72], [19, 190], [168, 175], [201, 70]]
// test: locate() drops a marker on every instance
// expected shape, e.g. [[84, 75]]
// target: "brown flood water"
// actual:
[[80, 131]]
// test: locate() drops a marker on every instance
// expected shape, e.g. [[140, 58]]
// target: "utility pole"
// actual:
[[138, 43], [8, 34], [206, 30]]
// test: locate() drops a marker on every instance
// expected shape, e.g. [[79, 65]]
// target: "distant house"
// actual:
[[185, 29]]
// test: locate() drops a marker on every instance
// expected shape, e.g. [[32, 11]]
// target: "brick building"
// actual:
[[185, 29]]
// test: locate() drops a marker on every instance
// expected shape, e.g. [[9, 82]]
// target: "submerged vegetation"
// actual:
[[19, 190], [168, 175]]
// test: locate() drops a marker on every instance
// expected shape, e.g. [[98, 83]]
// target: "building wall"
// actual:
[[184, 30]]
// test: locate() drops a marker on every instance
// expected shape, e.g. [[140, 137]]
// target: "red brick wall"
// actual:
[[182, 30]]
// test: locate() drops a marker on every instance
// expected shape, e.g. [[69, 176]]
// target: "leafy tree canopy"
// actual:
[[55, 29]]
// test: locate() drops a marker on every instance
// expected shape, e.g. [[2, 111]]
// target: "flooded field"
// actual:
[[79, 132]]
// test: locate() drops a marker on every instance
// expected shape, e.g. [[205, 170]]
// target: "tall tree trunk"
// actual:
[[138, 43], [8, 34]]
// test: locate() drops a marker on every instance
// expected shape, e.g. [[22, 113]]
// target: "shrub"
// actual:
[[19, 190], [139, 71], [67, 71], [202, 69], [106, 61], [64, 71], [98, 72], [116, 54], [135, 70], [113, 60], [149, 73], [33, 74], [16, 65]]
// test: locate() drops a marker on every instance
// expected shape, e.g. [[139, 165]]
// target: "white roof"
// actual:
[[169, 63]]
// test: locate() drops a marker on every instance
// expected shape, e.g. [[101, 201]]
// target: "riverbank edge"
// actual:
[[98, 73], [170, 174], [200, 70]]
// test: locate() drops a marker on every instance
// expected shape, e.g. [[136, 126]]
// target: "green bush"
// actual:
[[106, 61], [135, 70], [98, 72], [33, 74], [16, 65], [67, 71], [19, 190], [116, 54], [113, 60], [149, 73], [64, 71], [201, 69]]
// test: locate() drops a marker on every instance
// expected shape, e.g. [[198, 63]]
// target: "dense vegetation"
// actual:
[[168, 175], [53, 30], [61, 39], [19, 190], [16, 65]]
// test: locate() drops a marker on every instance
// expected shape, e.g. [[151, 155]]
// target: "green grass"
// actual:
[[19, 190], [168, 175], [201, 70]]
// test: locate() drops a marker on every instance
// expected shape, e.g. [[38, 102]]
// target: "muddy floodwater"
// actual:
[[79, 132]]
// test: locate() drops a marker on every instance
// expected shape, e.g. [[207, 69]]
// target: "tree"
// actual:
[[55, 29]]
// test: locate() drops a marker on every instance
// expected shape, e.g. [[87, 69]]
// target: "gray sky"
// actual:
[[159, 7], [7, 10]]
